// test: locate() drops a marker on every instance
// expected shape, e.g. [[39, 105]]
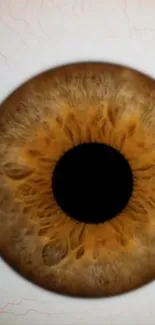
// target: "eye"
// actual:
[[77, 180]]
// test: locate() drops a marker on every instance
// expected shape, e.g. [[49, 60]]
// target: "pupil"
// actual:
[[92, 182]]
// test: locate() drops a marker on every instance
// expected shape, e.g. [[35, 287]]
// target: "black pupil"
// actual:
[[92, 182]]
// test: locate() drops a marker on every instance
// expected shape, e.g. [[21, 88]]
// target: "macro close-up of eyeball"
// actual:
[[77, 164]]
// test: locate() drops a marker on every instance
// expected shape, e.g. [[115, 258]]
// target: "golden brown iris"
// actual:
[[86, 245]]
